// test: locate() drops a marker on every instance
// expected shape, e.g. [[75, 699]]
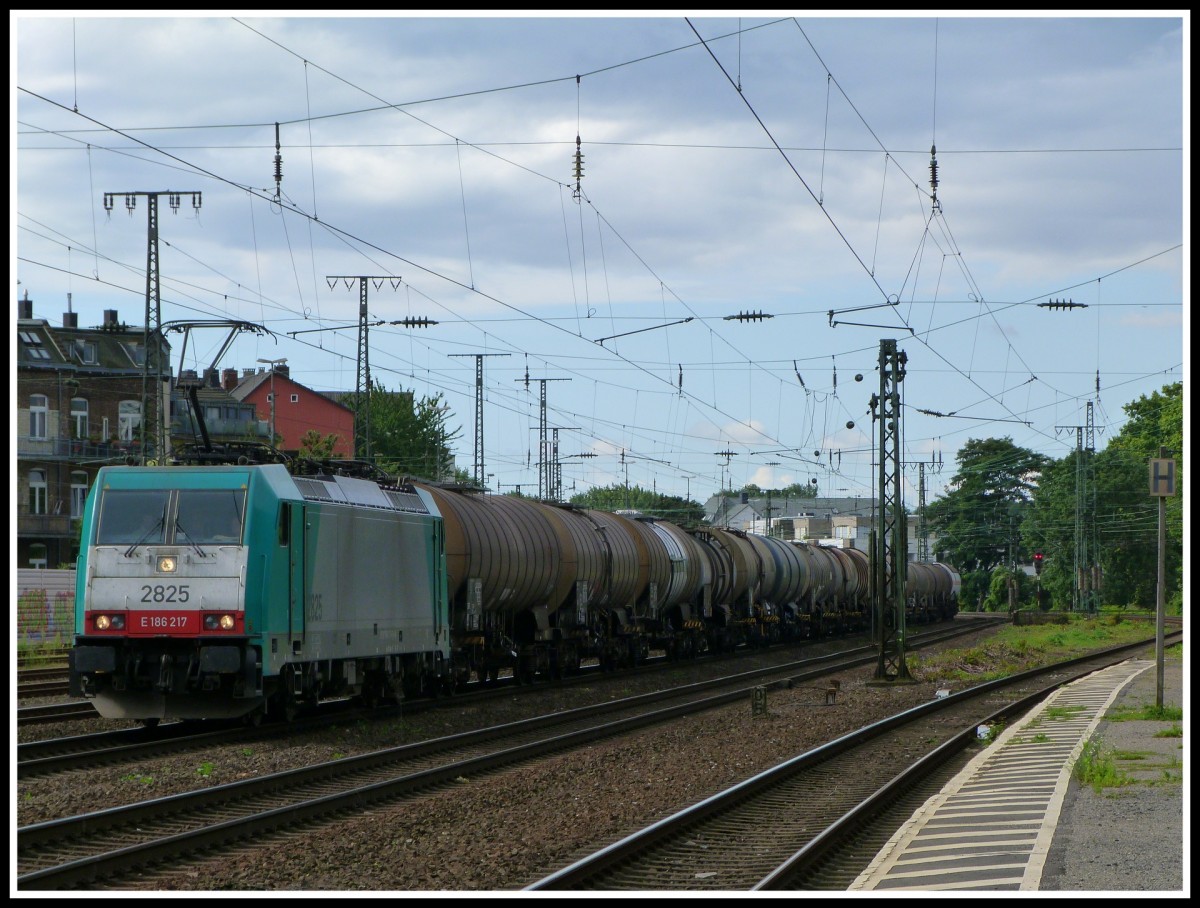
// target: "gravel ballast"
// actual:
[[496, 832]]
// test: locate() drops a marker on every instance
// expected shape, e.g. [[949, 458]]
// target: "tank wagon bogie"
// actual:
[[208, 592]]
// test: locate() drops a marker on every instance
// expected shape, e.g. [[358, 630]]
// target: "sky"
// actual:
[[761, 166]]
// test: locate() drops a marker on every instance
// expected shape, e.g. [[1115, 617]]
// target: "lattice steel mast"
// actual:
[[891, 540], [478, 464], [152, 354]]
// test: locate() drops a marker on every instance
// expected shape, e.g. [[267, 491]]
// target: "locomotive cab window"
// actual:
[[162, 516], [133, 515], [210, 516]]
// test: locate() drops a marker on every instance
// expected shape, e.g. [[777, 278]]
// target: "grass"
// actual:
[[1013, 649], [1098, 769], [1175, 731], [1062, 712], [1147, 712], [42, 653]]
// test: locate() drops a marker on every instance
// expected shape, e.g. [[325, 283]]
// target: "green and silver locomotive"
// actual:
[[224, 591]]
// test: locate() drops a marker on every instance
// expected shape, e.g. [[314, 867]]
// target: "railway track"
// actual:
[[66, 754], [56, 712], [33, 689], [783, 826], [110, 844]]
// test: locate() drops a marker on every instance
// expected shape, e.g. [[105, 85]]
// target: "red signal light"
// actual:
[[1037, 562]]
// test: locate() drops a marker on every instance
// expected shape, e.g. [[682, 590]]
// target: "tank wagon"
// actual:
[[222, 591]]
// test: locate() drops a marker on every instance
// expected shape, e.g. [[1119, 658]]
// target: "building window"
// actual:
[[79, 488], [38, 555], [295, 398], [87, 352], [39, 408], [33, 345], [37, 492], [129, 419], [135, 352], [79, 416]]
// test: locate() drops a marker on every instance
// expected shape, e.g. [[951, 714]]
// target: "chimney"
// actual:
[[211, 380], [70, 319], [188, 375], [229, 379], [110, 318], [246, 373], [283, 370], [25, 307]]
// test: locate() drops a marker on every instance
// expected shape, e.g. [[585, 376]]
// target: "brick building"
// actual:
[[298, 409], [78, 406]]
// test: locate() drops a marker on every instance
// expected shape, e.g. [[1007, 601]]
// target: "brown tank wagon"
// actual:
[[540, 587]]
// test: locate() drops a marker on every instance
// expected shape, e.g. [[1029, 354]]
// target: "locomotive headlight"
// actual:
[[227, 622], [166, 564], [102, 622], [224, 622]]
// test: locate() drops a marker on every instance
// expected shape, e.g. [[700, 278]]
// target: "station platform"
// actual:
[[995, 825]]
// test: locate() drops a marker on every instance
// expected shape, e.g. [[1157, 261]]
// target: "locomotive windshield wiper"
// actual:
[[161, 520], [179, 529]]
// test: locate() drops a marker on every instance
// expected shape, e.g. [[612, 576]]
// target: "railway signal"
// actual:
[[1037, 562]]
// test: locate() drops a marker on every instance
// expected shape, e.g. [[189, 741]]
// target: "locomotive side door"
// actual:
[[297, 539]]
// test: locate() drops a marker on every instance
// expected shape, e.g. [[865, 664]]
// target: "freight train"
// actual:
[[226, 591]]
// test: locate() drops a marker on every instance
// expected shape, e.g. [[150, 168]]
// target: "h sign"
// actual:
[[1162, 477]]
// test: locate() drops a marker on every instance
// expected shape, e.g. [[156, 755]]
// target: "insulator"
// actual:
[[933, 178], [278, 168], [173, 200], [130, 202], [108, 201]]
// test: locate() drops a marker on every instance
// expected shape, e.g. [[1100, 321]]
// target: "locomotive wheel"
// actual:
[[568, 661], [370, 695], [150, 723]]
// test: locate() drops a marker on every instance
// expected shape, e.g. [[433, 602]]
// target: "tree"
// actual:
[[1002, 577], [978, 520], [795, 490], [618, 497], [316, 446], [409, 436], [1125, 515]]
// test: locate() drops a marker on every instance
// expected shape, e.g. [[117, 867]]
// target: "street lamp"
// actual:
[[273, 363]]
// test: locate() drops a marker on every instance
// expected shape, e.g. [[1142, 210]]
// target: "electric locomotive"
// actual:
[[225, 591]]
